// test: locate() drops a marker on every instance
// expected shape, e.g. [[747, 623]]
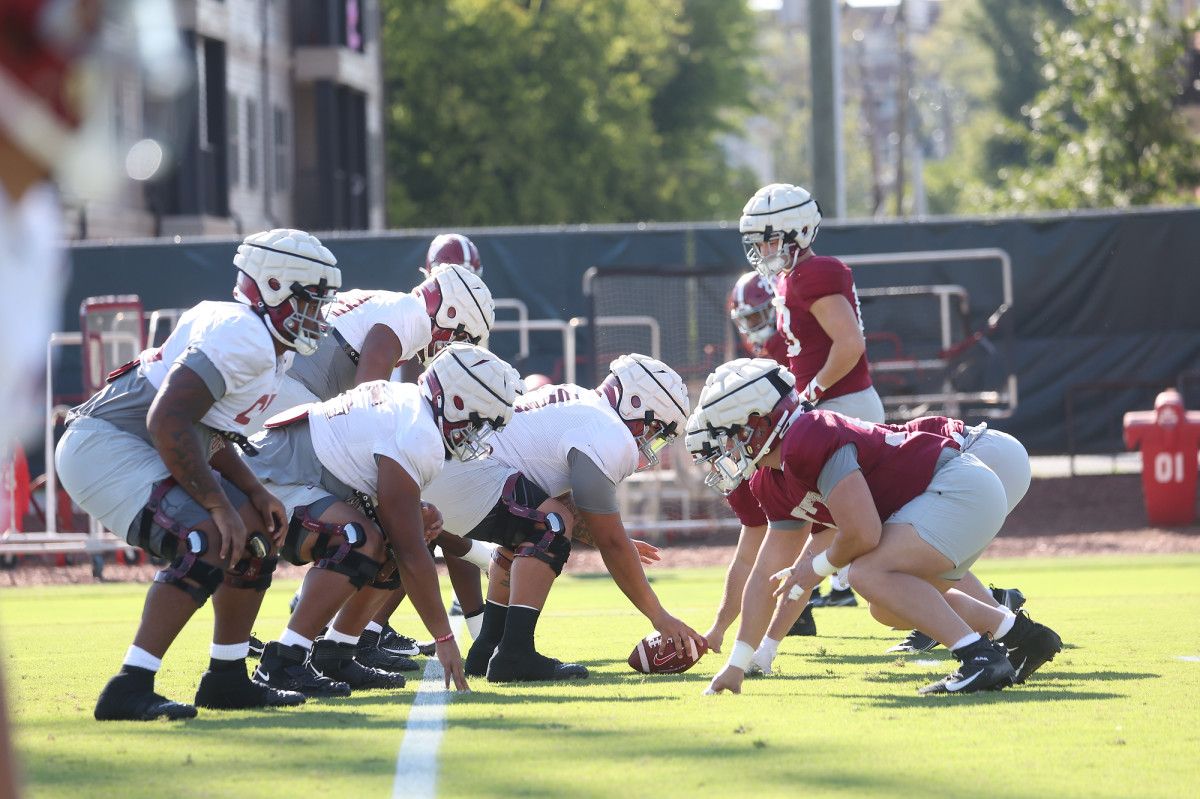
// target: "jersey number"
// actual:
[[259, 404]]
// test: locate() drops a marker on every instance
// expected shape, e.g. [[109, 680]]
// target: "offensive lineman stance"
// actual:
[[562, 439], [149, 456], [386, 441]]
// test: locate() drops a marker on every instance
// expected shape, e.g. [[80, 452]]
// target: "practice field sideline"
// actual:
[[1112, 716]]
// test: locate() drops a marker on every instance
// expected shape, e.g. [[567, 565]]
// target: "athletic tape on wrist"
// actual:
[[822, 566]]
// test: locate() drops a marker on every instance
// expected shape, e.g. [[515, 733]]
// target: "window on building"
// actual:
[[235, 149], [282, 151], [252, 143]]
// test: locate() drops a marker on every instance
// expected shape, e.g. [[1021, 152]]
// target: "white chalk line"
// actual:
[[417, 762]]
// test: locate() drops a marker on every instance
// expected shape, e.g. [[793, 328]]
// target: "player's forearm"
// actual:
[[419, 577], [731, 597], [231, 466], [757, 607], [178, 443]]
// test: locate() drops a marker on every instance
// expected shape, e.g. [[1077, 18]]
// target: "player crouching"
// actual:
[[351, 471]]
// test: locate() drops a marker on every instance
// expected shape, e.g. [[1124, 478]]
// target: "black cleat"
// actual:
[[403, 645], [370, 654], [129, 696], [1030, 646], [916, 641], [983, 667], [337, 662], [1010, 598], [531, 667], [838, 598], [233, 690], [284, 668], [478, 657], [256, 647], [805, 625]]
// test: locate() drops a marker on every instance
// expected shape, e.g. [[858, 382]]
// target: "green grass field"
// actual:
[[1115, 715]]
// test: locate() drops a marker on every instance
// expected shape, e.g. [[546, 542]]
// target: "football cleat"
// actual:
[[284, 667], [805, 625], [403, 645], [1010, 598], [983, 667], [369, 653], [129, 696], [256, 647], [531, 667], [233, 690], [336, 661], [1030, 646], [915, 641], [843, 598]]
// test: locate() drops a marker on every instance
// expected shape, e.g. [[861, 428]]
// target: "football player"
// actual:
[[552, 478], [351, 472], [912, 511], [452, 248], [150, 456]]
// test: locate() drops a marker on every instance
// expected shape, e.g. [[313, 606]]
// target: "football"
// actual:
[[645, 657]]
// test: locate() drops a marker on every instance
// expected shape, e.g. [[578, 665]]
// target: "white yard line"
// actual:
[[417, 763]]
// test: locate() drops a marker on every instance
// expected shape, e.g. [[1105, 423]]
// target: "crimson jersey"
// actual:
[[897, 463], [807, 343]]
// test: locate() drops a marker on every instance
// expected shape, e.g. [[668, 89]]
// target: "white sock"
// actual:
[[769, 645], [474, 623], [966, 641], [292, 638], [1004, 627], [375, 627], [840, 580], [229, 651], [340, 637], [136, 656]]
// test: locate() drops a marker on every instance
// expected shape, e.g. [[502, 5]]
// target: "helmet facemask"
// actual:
[[780, 251], [300, 320]]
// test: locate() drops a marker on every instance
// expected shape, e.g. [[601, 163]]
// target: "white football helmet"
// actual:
[[651, 399], [471, 392], [288, 278], [460, 308], [777, 225], [746, 406]]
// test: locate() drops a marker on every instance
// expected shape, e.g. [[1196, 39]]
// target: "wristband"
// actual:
[[441, 639], [822, 566], [739, 658]]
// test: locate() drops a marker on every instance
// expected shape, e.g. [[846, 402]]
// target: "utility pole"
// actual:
[[829, 156]]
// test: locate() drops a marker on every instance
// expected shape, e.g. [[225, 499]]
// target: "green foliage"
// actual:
[[1106, 129], [557, 111]]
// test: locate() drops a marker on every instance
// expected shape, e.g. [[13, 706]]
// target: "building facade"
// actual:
[[280, 126]]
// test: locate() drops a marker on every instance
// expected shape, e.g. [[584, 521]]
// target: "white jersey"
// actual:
[[379, 418], [355, 312], [466, 491], [234, 339], [332, 369], [552, 421]]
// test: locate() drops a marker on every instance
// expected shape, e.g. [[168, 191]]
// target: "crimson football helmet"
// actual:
[[745, 407], [288, 278], [472, 393], [777, 226], [460, 308], [751, 309], [452, 248], [652, 400]]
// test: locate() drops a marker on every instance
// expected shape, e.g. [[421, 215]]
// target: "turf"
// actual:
[[1112, 716]]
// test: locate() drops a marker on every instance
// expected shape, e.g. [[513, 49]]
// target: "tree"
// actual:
[[555, 111], [1106, 130]]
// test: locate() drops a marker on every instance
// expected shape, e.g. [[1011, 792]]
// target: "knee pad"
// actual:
[[501, 560], [388, 576], [320, 539], [253, 574], [553, 549], [204, 578]]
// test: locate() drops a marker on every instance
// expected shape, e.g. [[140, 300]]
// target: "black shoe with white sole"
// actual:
[[983, 667], [1030, 646]]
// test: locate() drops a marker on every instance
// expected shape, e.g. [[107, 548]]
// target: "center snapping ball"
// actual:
[[645, 657]]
